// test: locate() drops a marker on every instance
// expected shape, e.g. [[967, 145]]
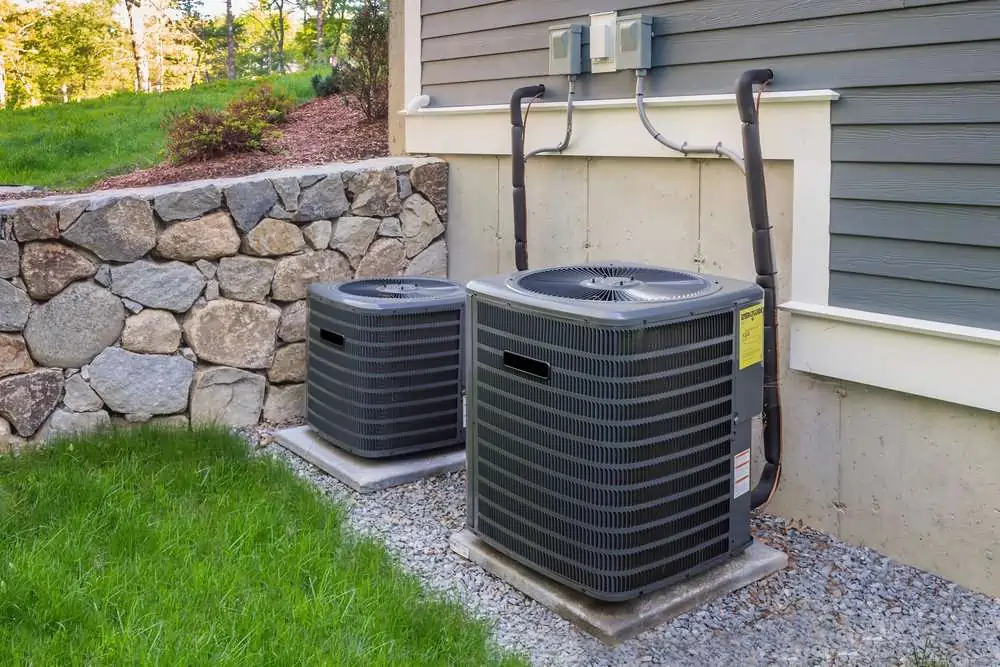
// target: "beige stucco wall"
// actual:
[[914, 478]]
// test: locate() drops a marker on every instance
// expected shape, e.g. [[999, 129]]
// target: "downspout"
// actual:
[[763, 257], [517, 173]]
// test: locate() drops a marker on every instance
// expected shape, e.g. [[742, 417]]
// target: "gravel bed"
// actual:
[[836, 604]]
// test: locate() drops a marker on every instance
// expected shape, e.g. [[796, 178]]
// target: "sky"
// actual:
[[209, 7], [218, 7]]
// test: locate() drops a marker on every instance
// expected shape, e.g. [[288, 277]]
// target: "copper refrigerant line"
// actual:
[[751, 164]]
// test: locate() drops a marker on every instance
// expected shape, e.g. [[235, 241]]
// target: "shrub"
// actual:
[[366, 76], [331, 84], [246, 124]]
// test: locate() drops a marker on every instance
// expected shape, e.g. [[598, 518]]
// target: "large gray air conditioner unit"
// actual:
[[609, 412], [384, 370]]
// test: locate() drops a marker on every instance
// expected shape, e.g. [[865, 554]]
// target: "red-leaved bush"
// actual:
[[246, 124]]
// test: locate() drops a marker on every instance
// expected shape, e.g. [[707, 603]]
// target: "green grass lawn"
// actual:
[[148, 546], [73, 145]]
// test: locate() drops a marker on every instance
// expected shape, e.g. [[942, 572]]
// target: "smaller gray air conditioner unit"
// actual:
[[609, 422], [385, 365]]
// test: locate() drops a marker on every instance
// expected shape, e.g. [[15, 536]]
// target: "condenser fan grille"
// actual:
[[401, 288], [620, 283]]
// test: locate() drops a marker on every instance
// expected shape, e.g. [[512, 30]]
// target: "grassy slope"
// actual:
[[73, 145], [156, 547]]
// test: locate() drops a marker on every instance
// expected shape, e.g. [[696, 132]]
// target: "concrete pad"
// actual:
[[368, 475], [615, 622]]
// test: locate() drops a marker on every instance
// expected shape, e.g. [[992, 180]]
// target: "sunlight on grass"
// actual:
[[73, 145], [150, 546]]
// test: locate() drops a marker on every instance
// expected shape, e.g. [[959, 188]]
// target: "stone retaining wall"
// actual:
[[186, 302]]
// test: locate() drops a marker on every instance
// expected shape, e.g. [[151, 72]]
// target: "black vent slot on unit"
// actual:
[[332, 337], [534, 368]]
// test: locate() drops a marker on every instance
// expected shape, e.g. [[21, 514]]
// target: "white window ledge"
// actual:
[[947, 362]]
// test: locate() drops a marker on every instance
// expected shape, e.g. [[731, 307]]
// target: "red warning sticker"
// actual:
[[741, 473]]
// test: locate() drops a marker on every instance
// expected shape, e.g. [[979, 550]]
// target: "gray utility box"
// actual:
[[609, 422], [566, 49], [634, 42], [385, 365]]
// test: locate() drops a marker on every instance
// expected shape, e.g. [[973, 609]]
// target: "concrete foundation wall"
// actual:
[[913, 478]]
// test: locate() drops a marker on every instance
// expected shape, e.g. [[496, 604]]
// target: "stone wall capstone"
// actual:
[[184, 303]]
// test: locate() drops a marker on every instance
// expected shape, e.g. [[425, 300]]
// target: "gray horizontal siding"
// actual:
[[968, 306], [915, 215]]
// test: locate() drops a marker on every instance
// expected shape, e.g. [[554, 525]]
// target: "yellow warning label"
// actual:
[[751, 335]]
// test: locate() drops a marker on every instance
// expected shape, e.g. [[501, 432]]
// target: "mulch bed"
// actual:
[[320, 131]]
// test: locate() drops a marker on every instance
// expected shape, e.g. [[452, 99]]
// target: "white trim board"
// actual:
[[412, 67], [951, 368]]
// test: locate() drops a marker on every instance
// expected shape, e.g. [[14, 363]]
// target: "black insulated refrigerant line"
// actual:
[[763, 259], [517, 173]]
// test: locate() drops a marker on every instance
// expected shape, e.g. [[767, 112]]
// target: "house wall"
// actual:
[[914, 214], [909, 476]]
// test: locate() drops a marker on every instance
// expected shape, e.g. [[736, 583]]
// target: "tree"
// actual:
[[136, 11], [66, 47], [320, 18], [230, 42], [368, 58], [276, 23], [15, 23]]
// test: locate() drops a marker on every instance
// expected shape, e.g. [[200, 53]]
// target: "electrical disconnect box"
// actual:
[[566, 49], [634, 42], [602, 42]]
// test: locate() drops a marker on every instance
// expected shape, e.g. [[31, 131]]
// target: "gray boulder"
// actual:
[[146, 384], [227, 396], [166, 285], [376, 193], [245, 278], [293, 275], [35, 223], [122, 231], [208, 237], [249, 202], [352, 236], [272, 238], [325, 200], [288, 190], [420, 223], [318, 233], [14, 357], [27, 400], [431, 180], [74, 326], [152, 332], [10, 259], [80, 397], [386, 257], [70, 212], [173, 206], [233, 333], [292, 327], [65, 424], [14, 307], [289, 364], [48, 266], [432, 262], [285, 404]]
